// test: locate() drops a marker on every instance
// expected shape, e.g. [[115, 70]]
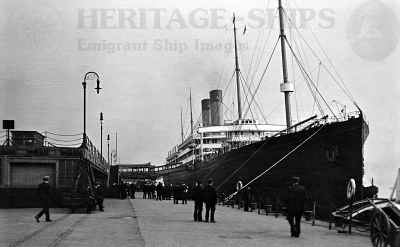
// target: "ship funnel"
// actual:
[[205, 112], [217, 116]]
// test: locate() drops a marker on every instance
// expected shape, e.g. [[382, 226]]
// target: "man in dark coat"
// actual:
[[295, 206], [184, 192], [44, 197], [176, 193], [159, 190], [210, 199], [198, 201]]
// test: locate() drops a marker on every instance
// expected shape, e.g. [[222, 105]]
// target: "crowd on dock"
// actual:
[[206, 196], [201, 195]]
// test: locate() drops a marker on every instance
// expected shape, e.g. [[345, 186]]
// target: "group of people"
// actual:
[[204, 195], [158, 191], [207, 195], [93, 198], [161, 192], [123, 190]]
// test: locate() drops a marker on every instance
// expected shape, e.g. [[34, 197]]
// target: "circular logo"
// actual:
[[373, 30], [37, 29]]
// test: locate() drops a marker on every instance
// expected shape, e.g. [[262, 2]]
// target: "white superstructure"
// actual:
[[207, 142]]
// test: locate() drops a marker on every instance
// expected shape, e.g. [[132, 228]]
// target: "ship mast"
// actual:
[[286, 87], [191, 112], [181, 126], [116, 147], [237, 70]]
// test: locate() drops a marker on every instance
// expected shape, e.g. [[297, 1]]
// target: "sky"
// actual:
[[149, 54]]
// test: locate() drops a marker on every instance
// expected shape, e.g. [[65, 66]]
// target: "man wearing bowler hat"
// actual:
[[295, 205], [44, 197]]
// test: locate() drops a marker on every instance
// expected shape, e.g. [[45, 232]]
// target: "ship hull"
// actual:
[[325, 163]]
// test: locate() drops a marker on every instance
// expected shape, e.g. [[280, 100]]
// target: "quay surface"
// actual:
[[141, 222]]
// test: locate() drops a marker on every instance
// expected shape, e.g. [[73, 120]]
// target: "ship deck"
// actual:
[[141, 222]]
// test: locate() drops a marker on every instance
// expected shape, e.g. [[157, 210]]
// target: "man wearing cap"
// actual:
[[295, 206], [44, 197], [198, 201], [210, 199]]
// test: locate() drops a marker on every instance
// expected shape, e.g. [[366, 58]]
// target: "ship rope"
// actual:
[[256, 151], [274, 165], [339, 80], [263, 51], [247, 100], [318, 76], [262, 76], [308, 77], [258, 45], [255, 101]]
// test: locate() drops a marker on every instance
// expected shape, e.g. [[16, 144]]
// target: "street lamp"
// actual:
[[86, 77], [108, 148], [101, 134], [108, 158]]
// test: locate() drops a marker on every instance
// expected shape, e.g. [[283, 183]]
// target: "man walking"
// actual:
[[198, 202], [44, 197], [295, 206], [210, 199]]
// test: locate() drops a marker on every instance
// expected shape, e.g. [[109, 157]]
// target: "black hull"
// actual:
[[325, 163]]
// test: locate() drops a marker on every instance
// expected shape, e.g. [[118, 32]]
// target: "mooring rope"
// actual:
[[275, 164], [258, 149]]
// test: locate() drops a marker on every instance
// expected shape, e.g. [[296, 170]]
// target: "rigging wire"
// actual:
[[318, 75], [294, 78], [300, 51], [256, 46], [253, 54], [276, 163], [310, 80], [263, 74], [227, 110], [308, 83], [227, 85], [334, 69], [342, 87], [258, 106], [247, 100], [269, 35]]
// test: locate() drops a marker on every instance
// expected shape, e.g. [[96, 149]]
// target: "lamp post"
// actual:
[[108, 160], [101, 134], [108, 149], [84, 97]]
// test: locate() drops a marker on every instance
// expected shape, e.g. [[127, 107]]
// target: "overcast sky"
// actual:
[[149, 54]]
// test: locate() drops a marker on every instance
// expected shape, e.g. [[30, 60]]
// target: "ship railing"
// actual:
[[343, 117], [91, 153], [167, 167]]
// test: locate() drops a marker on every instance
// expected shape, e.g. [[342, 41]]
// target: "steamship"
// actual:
[[324, 151]]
